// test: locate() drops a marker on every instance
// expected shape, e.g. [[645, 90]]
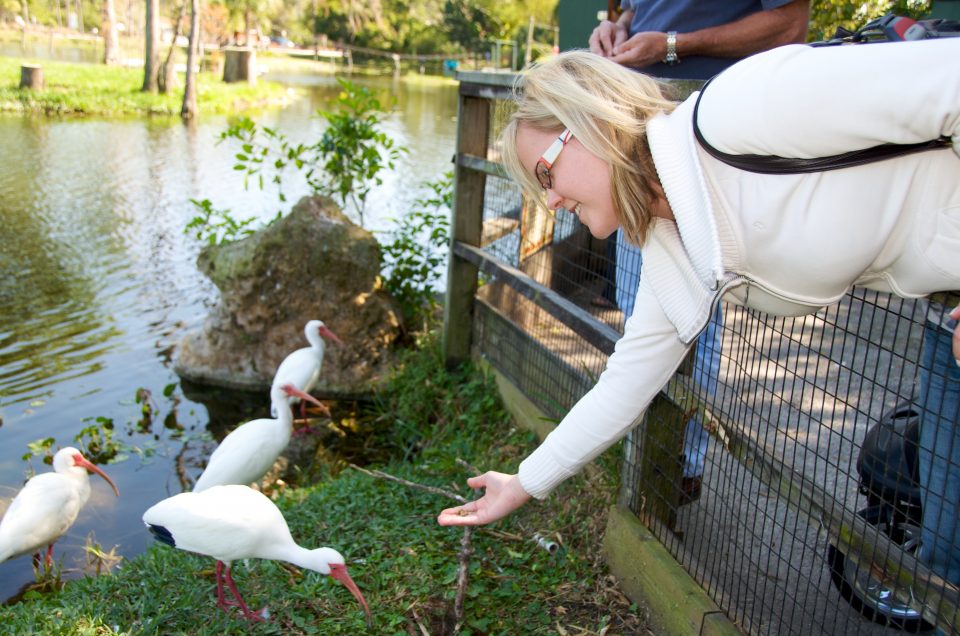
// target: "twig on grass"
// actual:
[[431, 489], [466, 547]]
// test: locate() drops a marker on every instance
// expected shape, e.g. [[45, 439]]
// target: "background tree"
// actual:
[[111, 43], [189, 109], [151, 61], [167, 78], [472, 23]]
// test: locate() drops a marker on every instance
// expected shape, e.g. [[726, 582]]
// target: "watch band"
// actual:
[[672, 57]]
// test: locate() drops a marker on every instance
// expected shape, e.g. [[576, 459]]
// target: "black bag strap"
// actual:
[[773, 164]]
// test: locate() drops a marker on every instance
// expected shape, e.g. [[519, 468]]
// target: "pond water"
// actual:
[[98, 284]]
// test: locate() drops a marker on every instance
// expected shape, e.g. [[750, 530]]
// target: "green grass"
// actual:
[[93, 89], [403, 561]]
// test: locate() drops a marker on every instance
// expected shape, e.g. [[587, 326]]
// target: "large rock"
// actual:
[[314, 263]]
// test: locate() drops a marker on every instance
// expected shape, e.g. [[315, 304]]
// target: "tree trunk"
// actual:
[[26, 23], [80, 15], [168, 73], [31, 77], [189, 110], [111, 43], [151, 61]]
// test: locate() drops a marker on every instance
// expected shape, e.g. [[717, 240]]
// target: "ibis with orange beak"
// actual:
[[250, 450], [237, 522], [302, 367], [47, 506]]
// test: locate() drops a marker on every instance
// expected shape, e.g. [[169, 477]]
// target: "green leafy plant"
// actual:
[[40, 448], [215, 227], [96, 441], [345, 164], [416, 250], [353, 151]]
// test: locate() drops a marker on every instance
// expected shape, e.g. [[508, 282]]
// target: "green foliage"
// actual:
[[97, 442], [40, 448], [92, 89], [353, 151], [344, 164], [415, 251], [216, 227], [827, 15]]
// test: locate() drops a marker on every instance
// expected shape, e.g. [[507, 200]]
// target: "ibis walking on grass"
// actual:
[[249, 451], [236, 522], [47, 506]]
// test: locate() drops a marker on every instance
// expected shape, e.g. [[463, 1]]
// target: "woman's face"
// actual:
[[580, 179]]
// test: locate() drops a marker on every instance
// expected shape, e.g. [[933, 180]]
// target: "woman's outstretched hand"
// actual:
[[502, 495]]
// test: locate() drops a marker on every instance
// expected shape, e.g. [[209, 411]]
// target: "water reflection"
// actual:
[[98, 282]]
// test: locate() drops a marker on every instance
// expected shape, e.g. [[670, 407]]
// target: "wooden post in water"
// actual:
[[31, 77], [240, 65]]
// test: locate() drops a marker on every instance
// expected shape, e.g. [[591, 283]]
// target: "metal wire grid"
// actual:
[[804, 390], [800, 393]]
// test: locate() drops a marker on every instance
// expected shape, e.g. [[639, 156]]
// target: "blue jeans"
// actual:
[[939, 453], [706, 363]]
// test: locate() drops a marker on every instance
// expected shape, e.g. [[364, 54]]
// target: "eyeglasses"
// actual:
[[549, 157]]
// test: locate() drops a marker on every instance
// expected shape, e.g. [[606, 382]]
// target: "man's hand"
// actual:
[[503, 494], [641, 49], [607, 36]]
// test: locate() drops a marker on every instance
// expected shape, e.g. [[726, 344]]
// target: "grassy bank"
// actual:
[[403, 561], [94, 89]]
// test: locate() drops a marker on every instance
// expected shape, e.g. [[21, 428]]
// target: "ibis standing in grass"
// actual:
[[237, 522], [246, 454], [47, 506], [302, 367]]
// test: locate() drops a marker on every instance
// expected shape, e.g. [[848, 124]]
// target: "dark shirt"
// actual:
[[684, 16]]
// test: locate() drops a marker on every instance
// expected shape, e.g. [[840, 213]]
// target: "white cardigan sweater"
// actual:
[[786, 244]]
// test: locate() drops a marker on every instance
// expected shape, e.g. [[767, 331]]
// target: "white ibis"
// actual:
[[47, 506], [247, 453], [237, 522], [302, 367]]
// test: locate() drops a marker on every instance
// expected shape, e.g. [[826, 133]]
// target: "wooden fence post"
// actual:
[[240, 65], [31, 77], [473, 131]]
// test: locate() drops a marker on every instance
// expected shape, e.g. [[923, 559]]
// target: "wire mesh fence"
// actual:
[[791, 465]]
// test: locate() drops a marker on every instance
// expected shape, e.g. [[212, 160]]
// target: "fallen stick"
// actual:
[[411, 484], [466, 547]]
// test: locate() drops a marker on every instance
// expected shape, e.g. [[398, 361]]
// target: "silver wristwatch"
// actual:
[[672, 57]]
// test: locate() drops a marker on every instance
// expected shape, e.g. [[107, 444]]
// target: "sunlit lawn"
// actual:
[[95, 89]]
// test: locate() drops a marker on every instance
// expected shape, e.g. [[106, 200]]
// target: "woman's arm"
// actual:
[[644, 360]]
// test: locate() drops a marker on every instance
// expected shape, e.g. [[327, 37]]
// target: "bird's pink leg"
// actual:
[[222, 602], [49, 559], [243, 606], [304, 430]]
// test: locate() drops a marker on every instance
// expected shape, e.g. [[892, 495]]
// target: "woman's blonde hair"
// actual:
[[607, 107]]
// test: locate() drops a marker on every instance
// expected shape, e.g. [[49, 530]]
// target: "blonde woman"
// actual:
[[602, 141]]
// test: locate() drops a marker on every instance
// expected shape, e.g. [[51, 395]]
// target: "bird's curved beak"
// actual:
[[329, 335], [293, 391], [81, 461], [339, 572]]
